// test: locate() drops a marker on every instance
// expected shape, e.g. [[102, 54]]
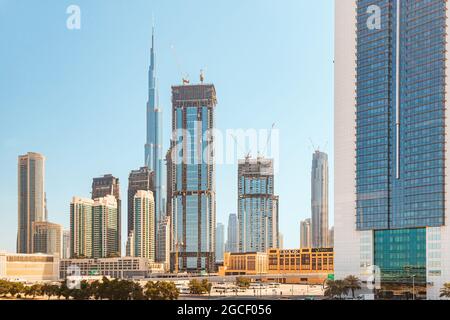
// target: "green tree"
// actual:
[[445, 291], [353, 283], [161, 291], [196, 287], [82, 293], [336, 288], [5, 287], [207, 286], [242, 282], [200, 287]]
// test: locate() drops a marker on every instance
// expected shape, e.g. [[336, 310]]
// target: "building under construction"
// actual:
[[192, 192]]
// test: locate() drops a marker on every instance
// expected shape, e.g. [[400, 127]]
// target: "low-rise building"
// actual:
[[306, 260], [29, 267], [122, 268], [237, 264], [307, 265]]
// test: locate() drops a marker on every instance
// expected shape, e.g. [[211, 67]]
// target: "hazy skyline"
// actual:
[[79, 96]]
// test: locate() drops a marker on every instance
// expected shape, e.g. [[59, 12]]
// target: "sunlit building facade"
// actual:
[[319, 200], [144, 225], [391, 145], [193, 195], [257, 205], [47, 238], [31, 198]]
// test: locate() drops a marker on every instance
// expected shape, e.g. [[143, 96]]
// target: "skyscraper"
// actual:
[[105, 231], [232, 234], [280, 241], [305, 233], [81, 227], [65, 245], [319, 200], [220, 242], [163, 241], [194, 193], [257, 205], [331, 238], [391, 143], [103, 187], [141, 179], [143, 234], [31, 202], [153, 146], [47, 238], [93, 227]]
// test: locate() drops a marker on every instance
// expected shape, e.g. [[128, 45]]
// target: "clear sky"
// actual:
[[79, 96]]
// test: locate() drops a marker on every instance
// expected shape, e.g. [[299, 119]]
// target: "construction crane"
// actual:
[[268, 140], [240, 147], [185, 76], [177, 252]]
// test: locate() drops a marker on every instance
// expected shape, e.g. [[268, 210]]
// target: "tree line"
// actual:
[[104, 289]]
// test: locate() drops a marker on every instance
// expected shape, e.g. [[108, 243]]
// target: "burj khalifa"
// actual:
[[153, 147]]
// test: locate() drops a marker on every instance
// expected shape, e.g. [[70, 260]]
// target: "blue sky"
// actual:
[[79, 96]]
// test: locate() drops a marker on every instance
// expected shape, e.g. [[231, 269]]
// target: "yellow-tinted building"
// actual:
[[317, 263], [29, 267], [306, 260], [236, 264]]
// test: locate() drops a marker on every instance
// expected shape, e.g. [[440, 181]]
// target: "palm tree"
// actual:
[[353, 284], [445, 291], [336, 288]]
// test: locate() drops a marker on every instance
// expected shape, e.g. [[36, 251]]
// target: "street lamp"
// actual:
[[414, 286]]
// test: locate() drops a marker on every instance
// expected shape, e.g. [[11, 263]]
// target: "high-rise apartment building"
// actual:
[[163, 242], [220, 242], [141, 179], [319, 200], [153, 146], [105, 230], [257, 205], [31, 198], [47, 238], [194, 195], [232, 234], [391, 143], [143, 234], [305, 234], [81, 227], [65, 250], [109, 185], [93, 227]]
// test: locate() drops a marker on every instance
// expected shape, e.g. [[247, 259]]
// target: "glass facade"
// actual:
[[400, 132], [193, 194], [400, 144], [257, 206], [401, 255]]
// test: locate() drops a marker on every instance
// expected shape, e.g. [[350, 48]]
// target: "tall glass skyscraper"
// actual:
[[319, 200], [31, 198], [193, 192], [257, 205], [391, 150], [153, 146], [232, 234], [220, 242]]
